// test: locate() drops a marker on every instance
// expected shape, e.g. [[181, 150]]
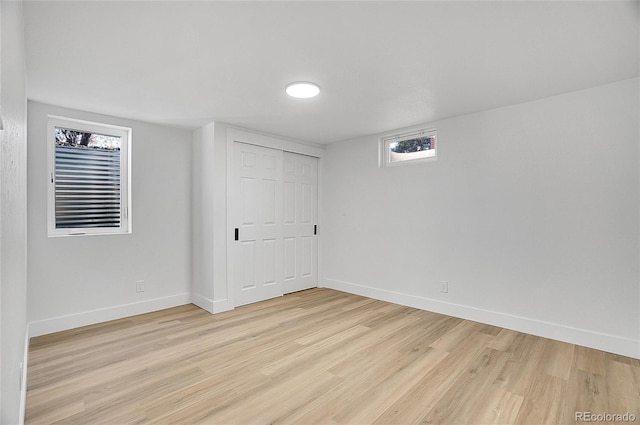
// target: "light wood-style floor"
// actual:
[[318, 357]]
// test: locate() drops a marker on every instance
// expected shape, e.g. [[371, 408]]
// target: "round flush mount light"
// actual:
[[302, 89]]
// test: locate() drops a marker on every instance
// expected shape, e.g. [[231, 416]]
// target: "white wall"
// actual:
[[531, 213], [209, 222], [201, 226], [79, 280], [220, 229], [13, 211]]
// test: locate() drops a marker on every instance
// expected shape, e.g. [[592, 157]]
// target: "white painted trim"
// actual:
[[62, 323], [125, 133], [320, 146], [212, 306], [236, 135], [23, 379], [220, 306], [600, 341], [385, 148], [229, 225], [319, 218], [202, 302]]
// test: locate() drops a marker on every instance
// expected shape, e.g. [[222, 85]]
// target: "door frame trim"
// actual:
[[244, 136]]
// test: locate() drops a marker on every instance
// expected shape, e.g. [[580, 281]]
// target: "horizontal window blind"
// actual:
[[87, 187]]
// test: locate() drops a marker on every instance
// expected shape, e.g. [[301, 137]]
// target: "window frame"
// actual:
[[124, 133], [387, 140]]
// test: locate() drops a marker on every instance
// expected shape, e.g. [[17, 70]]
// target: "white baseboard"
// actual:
[[605, 342], [63, 323], [23, 379], [202, 302], [220, 306], [212, 306]]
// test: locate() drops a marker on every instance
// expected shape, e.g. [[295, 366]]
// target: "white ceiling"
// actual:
[[381, 65]]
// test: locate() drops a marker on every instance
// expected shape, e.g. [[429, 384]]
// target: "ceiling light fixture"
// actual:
[[302, 89]]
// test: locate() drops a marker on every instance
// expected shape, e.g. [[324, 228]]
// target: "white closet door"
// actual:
[[300, 193], [256, 215]]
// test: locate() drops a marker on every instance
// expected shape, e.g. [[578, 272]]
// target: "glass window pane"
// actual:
[[87, 179], [413, 148]]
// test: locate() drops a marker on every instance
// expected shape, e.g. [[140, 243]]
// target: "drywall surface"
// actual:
[[209, 222], [86, 279], [202, 218], [219, 215], [13, 212], [530, 213]]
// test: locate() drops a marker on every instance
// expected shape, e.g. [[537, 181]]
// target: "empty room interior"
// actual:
[[367, 212]]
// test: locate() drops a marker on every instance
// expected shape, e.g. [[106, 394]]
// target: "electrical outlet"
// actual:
[[140, 286], [444, 286]]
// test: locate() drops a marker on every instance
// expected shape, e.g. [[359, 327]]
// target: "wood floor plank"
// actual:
[[456, 336], [590, 360], [503, 340], [524, 362], [591, 394], [375, 400], [203, 399], [557, 358], [623, 387], [265, 407], [496, 407], [543, 401], [317, 357], [322, 409], [426, 393], [456, 405]]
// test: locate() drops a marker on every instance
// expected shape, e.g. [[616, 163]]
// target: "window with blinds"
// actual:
[[89, 193]]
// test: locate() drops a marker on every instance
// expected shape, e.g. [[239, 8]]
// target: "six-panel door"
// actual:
[[257, 214], [300, 217], [273, 206]]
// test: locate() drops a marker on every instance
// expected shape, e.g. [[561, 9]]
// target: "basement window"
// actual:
[[408, 148], [88, 178]]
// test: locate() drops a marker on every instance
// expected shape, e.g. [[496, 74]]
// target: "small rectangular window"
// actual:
[[89, 178], [417, 146]]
